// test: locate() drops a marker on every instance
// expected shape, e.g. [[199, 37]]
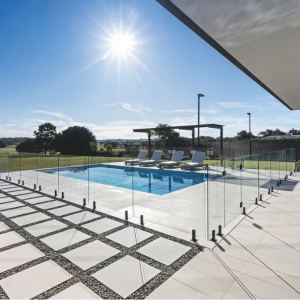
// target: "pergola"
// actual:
[[182, 127]]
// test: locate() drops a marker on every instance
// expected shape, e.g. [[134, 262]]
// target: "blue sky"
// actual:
[[47, 50]]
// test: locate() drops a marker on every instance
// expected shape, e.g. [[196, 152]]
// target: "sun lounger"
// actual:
[[197, 161], [174, 161], [142, 156], [154, 159]]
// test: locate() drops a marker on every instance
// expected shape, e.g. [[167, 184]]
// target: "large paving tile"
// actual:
[[64, 239], [164, 251], [18, 211], [265, 274], [201, 282], [28, 219], [34, 281], [90, 254], [64, 210], [10, 205], [264, 289], [49, 205], [10, 238], [76, 291], [29, 196], [21, 192], [236, 293], [3, 227], [124, 276], [45, 227], [18, 256], [174, 289], [102, 225], [129, 236], [81, 217], [215, 270]]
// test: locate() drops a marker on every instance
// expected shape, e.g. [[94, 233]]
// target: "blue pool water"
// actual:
[[159, 182]]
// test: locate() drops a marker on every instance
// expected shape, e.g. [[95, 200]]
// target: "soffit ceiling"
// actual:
[[261, 37]]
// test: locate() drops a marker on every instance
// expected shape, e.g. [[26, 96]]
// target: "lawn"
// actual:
[[27, 161]]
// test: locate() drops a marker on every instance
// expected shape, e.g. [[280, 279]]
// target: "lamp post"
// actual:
[[249, 114], [199, 96], [250, 150]]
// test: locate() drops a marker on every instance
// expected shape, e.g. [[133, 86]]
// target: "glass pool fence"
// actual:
[[175, 200]]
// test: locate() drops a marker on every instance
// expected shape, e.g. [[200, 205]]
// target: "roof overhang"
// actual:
[[261, 37]]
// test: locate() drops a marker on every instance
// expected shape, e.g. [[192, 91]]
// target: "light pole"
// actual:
[[249, 114], [250, 148], [199, 96]]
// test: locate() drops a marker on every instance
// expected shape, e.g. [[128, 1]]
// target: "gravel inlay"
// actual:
[[94, 229]]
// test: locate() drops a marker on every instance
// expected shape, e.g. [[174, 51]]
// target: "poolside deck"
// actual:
[[56, 250]]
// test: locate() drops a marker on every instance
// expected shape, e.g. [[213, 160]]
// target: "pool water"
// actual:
[[159, 182]]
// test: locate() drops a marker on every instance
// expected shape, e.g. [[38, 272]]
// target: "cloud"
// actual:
[[139, 108], [52, 114], [207, 111], [238, 105]]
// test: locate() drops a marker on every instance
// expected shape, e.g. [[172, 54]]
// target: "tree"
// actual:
[[75, 140], [164, 134], [44, 137], [2, 144], [269, 132], [244, 135], [27, 146], [109, 148]]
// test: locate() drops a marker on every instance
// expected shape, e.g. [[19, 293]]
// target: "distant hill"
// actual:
[[13, 141]]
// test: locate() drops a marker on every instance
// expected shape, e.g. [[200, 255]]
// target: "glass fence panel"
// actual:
[[169, 198], [291, 158], [233, 189], [282, 164], [110, 183], [4, 165], [264, 173], [250, 174], [275, 167], [48, 173], [14, 166], [29, 174], [215, 195], [74, 177]]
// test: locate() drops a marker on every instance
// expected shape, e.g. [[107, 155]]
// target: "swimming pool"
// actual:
[[159, 182]]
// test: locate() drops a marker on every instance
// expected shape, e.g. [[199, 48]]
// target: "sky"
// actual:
[[60, 62]]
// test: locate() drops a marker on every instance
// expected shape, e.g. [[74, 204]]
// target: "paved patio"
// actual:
[[52, 248]]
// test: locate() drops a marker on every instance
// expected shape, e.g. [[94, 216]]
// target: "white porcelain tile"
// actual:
[[28, 219], [64, 239], [10, 238], [164, 251], [90, 254], [3, 227], [77, 291], [34, 281], [18, 256], [49, 205], [124, 276], [45, 227], [102, 225], [18, 211], [81, 217], [64, 210], [129, 236]]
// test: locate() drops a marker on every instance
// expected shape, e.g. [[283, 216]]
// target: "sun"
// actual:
[[122, 44]]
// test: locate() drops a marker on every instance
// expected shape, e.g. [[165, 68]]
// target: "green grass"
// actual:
[[35, 161], [11, 148]]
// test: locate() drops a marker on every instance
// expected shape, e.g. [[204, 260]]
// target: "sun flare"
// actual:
[[122, 44]]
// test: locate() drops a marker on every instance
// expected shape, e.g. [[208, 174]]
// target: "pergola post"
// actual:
[[169, 139], [221, 140], [149, 144], [193, 137]]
